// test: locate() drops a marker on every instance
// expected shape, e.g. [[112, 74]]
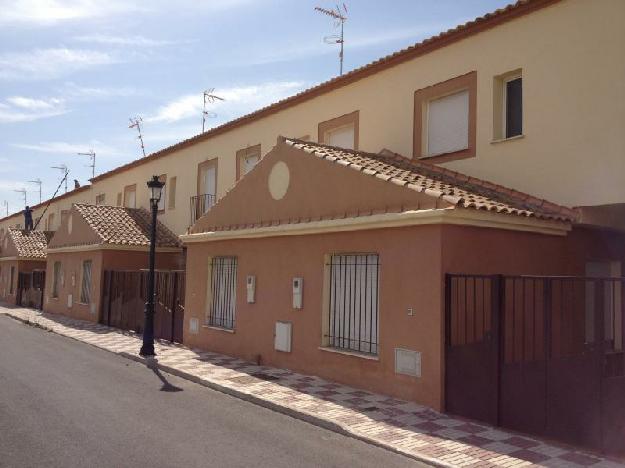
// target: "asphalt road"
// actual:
[[67, 404]]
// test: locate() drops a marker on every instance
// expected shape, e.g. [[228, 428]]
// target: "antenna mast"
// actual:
[[136, 123], [23, 192], [340, 16], [209, 98], [91, 154], [38, 182], [65, 171]]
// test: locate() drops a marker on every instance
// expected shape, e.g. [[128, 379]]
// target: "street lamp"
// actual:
[[147, 349]]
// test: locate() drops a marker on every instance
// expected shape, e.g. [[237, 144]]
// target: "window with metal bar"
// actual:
[[353, 318], [223, 292], [85, 289]]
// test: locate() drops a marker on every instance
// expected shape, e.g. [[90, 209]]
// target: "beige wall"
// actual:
[[573, 66]]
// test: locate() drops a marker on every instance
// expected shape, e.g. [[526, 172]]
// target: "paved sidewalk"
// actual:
[[398, 425]]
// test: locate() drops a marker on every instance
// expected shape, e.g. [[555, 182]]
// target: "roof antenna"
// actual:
[[38, 182], [91, 154], [209, 98], [6, 205], [63, 168], [136, 123], [340, 16], [23, 192]]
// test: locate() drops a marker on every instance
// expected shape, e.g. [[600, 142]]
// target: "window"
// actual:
[[247, 158], [51, 222], [513, 105], [448, 124], [222, 288], [206, 187], [508, 105], [56, 279], [172, 193], [100, 199], [119, 199], [444, 125], [64, 214], [85, 288], [612, 285], [353, 318], [12, 279], [341, 131], [130, 196], [161, 203]]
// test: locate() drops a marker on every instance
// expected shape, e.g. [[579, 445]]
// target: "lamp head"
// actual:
[[156, 190]]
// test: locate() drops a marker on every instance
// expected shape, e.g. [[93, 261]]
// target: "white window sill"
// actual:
[[446, 153], [227, 330], [368, 357], [502, 140]]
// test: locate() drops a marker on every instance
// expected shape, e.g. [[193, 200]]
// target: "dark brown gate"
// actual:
[[542, 355], [30, 289], [124, 295]]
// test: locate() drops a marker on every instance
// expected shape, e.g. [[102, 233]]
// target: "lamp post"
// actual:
[[147, 349]]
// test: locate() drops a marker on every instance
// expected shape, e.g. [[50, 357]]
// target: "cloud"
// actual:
[[50, 63], [26, 109], [237, 101], [137, 41], [63, 147], [73, 91], [53, 11]]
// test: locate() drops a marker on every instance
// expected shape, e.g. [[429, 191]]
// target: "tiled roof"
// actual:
[[480, 24], [118, 225], [436, 181], [30, 244]]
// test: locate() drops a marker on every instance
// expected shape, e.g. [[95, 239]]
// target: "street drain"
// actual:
[[371, 408], [261, 376]]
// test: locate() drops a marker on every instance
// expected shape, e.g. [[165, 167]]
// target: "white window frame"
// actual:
[[504, 105], [216, 297], [330, 131]]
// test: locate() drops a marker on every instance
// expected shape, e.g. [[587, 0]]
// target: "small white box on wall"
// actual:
[[283, 337], [194, 325], [70, 300], [251, 289], [298, 292], [407, 362]]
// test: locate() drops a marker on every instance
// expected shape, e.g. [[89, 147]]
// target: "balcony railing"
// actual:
[[200, 204]]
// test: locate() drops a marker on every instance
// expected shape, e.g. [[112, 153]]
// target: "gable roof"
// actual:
[[118, 225], [29, 244], [480, 24], [436, 181]]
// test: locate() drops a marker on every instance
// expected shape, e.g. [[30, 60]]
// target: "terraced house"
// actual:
[[386, 237]]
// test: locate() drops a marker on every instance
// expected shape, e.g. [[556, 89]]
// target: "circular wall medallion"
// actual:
[[279, 179], [69, 224]]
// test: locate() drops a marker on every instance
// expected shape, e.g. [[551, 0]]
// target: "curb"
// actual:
[[314, 420]]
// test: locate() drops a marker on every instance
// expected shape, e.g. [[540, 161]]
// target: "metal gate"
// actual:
[[124, 295], [542, 355], [30, 289]]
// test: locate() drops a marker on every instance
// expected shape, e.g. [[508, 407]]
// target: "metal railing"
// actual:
[[200, 204], [223, 292]]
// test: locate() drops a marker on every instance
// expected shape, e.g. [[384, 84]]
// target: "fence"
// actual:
[[124, 295], [30, 288], [542, 355]]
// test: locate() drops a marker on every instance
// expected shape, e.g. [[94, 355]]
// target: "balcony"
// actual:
[[200, 204]]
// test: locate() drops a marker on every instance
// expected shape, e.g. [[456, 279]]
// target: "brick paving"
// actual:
[[401, 426]]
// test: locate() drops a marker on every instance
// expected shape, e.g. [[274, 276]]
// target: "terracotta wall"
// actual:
[[71, 264], [21, 266], [409, 278]]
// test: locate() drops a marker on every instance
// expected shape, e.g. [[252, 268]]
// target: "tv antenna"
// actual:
[[136, 123], [340, 16], [91, 154], [23, 192], [65, 171], [209, 98], [38, 182], [5, 204]]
